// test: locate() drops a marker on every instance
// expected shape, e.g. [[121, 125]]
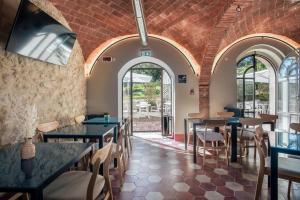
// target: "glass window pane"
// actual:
[[243, 65]]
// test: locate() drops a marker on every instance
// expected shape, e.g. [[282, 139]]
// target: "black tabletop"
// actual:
[[81, 130], [102, 120], [285, 141], [50, 161]]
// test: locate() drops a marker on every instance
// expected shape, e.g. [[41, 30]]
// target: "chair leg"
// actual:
[[188, 139], [289, 189], [254, 152], [260, 180], [120, 168], [204, 149]]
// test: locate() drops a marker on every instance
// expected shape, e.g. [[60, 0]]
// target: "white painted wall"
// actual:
[[102, 87], [222, 91]]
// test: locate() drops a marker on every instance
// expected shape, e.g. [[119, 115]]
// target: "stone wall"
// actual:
[[59, 92]]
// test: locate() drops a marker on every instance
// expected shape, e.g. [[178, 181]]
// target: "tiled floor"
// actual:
[[161, 169]]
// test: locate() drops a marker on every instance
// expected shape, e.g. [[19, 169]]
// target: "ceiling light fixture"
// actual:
[[140, 20]]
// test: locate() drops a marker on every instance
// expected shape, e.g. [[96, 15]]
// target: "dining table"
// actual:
[[33, 175], [281, 142], [106, 121], [233, 122], [82, 131]]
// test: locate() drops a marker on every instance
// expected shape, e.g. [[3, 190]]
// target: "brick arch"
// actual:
[[293, 44], [92, 58]]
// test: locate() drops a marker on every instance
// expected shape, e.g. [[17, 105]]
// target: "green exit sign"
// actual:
[[145, 52]]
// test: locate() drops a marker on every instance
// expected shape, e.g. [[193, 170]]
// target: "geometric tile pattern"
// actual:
[[181, 187], [155, 173]]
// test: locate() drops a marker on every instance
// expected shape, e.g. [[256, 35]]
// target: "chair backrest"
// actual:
[[225, 114], [102, 155], [196, 115], [120, 140], [45, 127], [251, 121], [295, 127], [213, 123], [49, 126], [260, 142], [268, 118], [79, 119], [127, 127], [261, 147]]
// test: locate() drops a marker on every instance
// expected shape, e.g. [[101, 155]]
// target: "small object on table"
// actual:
[[28, 149]]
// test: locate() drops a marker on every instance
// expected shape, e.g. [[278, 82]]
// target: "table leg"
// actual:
[[101, 146], [195, 143], [274, 174], [233, 143], [185, 134], [36, 195], [115, 141], [272, 126], [116, 133]]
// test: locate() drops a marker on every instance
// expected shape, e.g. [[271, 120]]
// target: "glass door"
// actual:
[[146, 98]]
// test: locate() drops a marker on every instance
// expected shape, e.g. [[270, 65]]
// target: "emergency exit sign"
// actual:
[[145, 52]]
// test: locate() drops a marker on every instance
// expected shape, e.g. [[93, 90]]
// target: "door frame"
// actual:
[[139, 60]]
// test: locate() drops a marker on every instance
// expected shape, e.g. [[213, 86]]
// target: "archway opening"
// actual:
[[146, 96]]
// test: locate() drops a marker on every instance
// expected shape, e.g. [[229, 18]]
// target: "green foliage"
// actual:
[[248, 62]]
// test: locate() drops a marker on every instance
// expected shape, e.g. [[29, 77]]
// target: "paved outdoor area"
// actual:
[[146, 124], [159, 169]]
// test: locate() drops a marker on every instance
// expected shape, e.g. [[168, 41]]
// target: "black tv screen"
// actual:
[[37, 35]]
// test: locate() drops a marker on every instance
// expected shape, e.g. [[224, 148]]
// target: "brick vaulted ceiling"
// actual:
[[203, 27]]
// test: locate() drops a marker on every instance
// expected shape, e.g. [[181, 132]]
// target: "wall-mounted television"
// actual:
[[37, 35]]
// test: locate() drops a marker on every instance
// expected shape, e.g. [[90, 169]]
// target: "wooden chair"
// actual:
[[192, 116], [288, 168], [84, 185], [209, 136], [45, 127], [79, 119], [118, 153], [128, 143], [295, 127], [14, 196], [225, 115], [246, 135], [269, 118]]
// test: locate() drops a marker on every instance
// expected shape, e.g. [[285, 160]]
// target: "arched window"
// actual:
[[289, 91], [255, 85]]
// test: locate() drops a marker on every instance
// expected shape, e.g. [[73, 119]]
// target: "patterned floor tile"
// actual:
[[181, 187], [161, 169], [154, 196]]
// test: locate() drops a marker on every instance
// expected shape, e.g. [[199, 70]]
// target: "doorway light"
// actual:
[[140, 20]]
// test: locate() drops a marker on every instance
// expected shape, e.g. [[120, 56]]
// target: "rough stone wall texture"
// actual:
[[59, 92]]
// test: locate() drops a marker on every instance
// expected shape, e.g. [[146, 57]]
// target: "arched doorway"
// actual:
[[146, 95], [256, 85]]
